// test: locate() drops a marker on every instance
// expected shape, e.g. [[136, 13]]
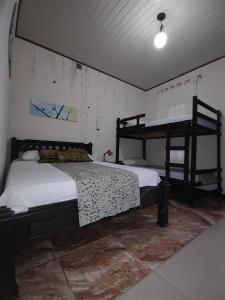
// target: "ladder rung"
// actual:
[[209, 191], [176, 148], [207, 171], [198, 183], [209, 183], [176, 165], [3, 209]]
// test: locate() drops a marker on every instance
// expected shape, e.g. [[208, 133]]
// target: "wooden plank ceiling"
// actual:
[[116, 36]]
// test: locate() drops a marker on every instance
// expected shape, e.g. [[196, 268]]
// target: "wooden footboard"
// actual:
[[8, 287]]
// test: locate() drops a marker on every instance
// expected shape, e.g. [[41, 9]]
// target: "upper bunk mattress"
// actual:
[[30, 184], [176, 119], [169, 120]]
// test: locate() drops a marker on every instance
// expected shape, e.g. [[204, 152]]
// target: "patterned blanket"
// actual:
[[102, 191]]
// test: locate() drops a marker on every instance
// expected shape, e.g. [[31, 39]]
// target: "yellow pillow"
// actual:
[[48, 155], [78, 155], [63, 156]]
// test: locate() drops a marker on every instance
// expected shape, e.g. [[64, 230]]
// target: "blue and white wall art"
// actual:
[[53, 111]]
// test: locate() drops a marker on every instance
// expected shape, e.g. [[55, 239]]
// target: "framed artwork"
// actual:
[[53, 111]]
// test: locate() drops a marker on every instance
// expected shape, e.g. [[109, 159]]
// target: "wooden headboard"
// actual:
[[18, 146]]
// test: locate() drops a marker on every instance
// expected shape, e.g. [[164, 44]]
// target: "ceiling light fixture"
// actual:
[[161, 37]]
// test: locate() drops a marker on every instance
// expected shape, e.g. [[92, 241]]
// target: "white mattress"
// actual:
[[169, 120], [174, 173], [208, 180], [31, 184]]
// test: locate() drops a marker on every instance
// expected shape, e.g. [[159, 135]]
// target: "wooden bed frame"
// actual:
[[44, 222], [190, 130]]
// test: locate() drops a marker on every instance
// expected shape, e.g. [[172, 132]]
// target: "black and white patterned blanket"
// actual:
[[102, 191]]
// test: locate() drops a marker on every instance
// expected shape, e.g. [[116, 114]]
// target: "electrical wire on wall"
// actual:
[[53, 66], [84, 104], [73, 74], [63, 69], [174, 100], [34, 61], [199, 76]]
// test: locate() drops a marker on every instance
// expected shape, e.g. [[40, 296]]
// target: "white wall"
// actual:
[[99, 99], [211, 89], [6, 7]]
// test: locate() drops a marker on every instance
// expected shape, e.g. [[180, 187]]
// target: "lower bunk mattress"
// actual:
[[206, 182]]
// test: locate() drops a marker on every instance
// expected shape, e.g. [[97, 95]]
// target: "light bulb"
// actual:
[[160, 39]]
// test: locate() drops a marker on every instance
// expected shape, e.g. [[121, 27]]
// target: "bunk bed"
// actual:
[[189, 128], [50, 220]]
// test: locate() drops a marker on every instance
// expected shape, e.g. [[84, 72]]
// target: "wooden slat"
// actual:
[[5, 213], [207, 118], [167, 164], [177, 148], [206, 171], [132, 118], [176, 165], [206, 106], [218, 150]]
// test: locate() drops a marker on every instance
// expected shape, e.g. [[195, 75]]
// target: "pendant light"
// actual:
[[161, 37]]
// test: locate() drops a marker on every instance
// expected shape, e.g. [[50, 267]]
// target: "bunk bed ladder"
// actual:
[[185, 148], [194, 141], [117, 140], [186, 153], [219, 170], [168, 148]]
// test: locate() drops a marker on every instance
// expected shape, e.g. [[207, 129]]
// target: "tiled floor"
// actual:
[[196, 272], [107, 259]]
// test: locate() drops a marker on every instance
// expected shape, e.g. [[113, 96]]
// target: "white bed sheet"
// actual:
[[31, 184], [147, 177]]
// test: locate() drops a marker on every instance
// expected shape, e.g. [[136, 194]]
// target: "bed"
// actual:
[[205, 120], [29, 181], [28, 215]]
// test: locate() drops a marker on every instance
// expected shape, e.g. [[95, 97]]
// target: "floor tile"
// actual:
[[149, 243], [45, 282], [33, 255], [212, 208], [209, 209], [185, 224], [105, 259], [152, 288], [195, 273], [78, 238], [102, 269], [221, 222], [94, 232], [212, 241]]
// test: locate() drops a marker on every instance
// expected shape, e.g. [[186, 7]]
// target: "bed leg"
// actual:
[[8, 286], [163, 203]]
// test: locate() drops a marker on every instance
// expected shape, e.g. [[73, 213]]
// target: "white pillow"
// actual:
[[32, 155], [134, 161], [93, 156]]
